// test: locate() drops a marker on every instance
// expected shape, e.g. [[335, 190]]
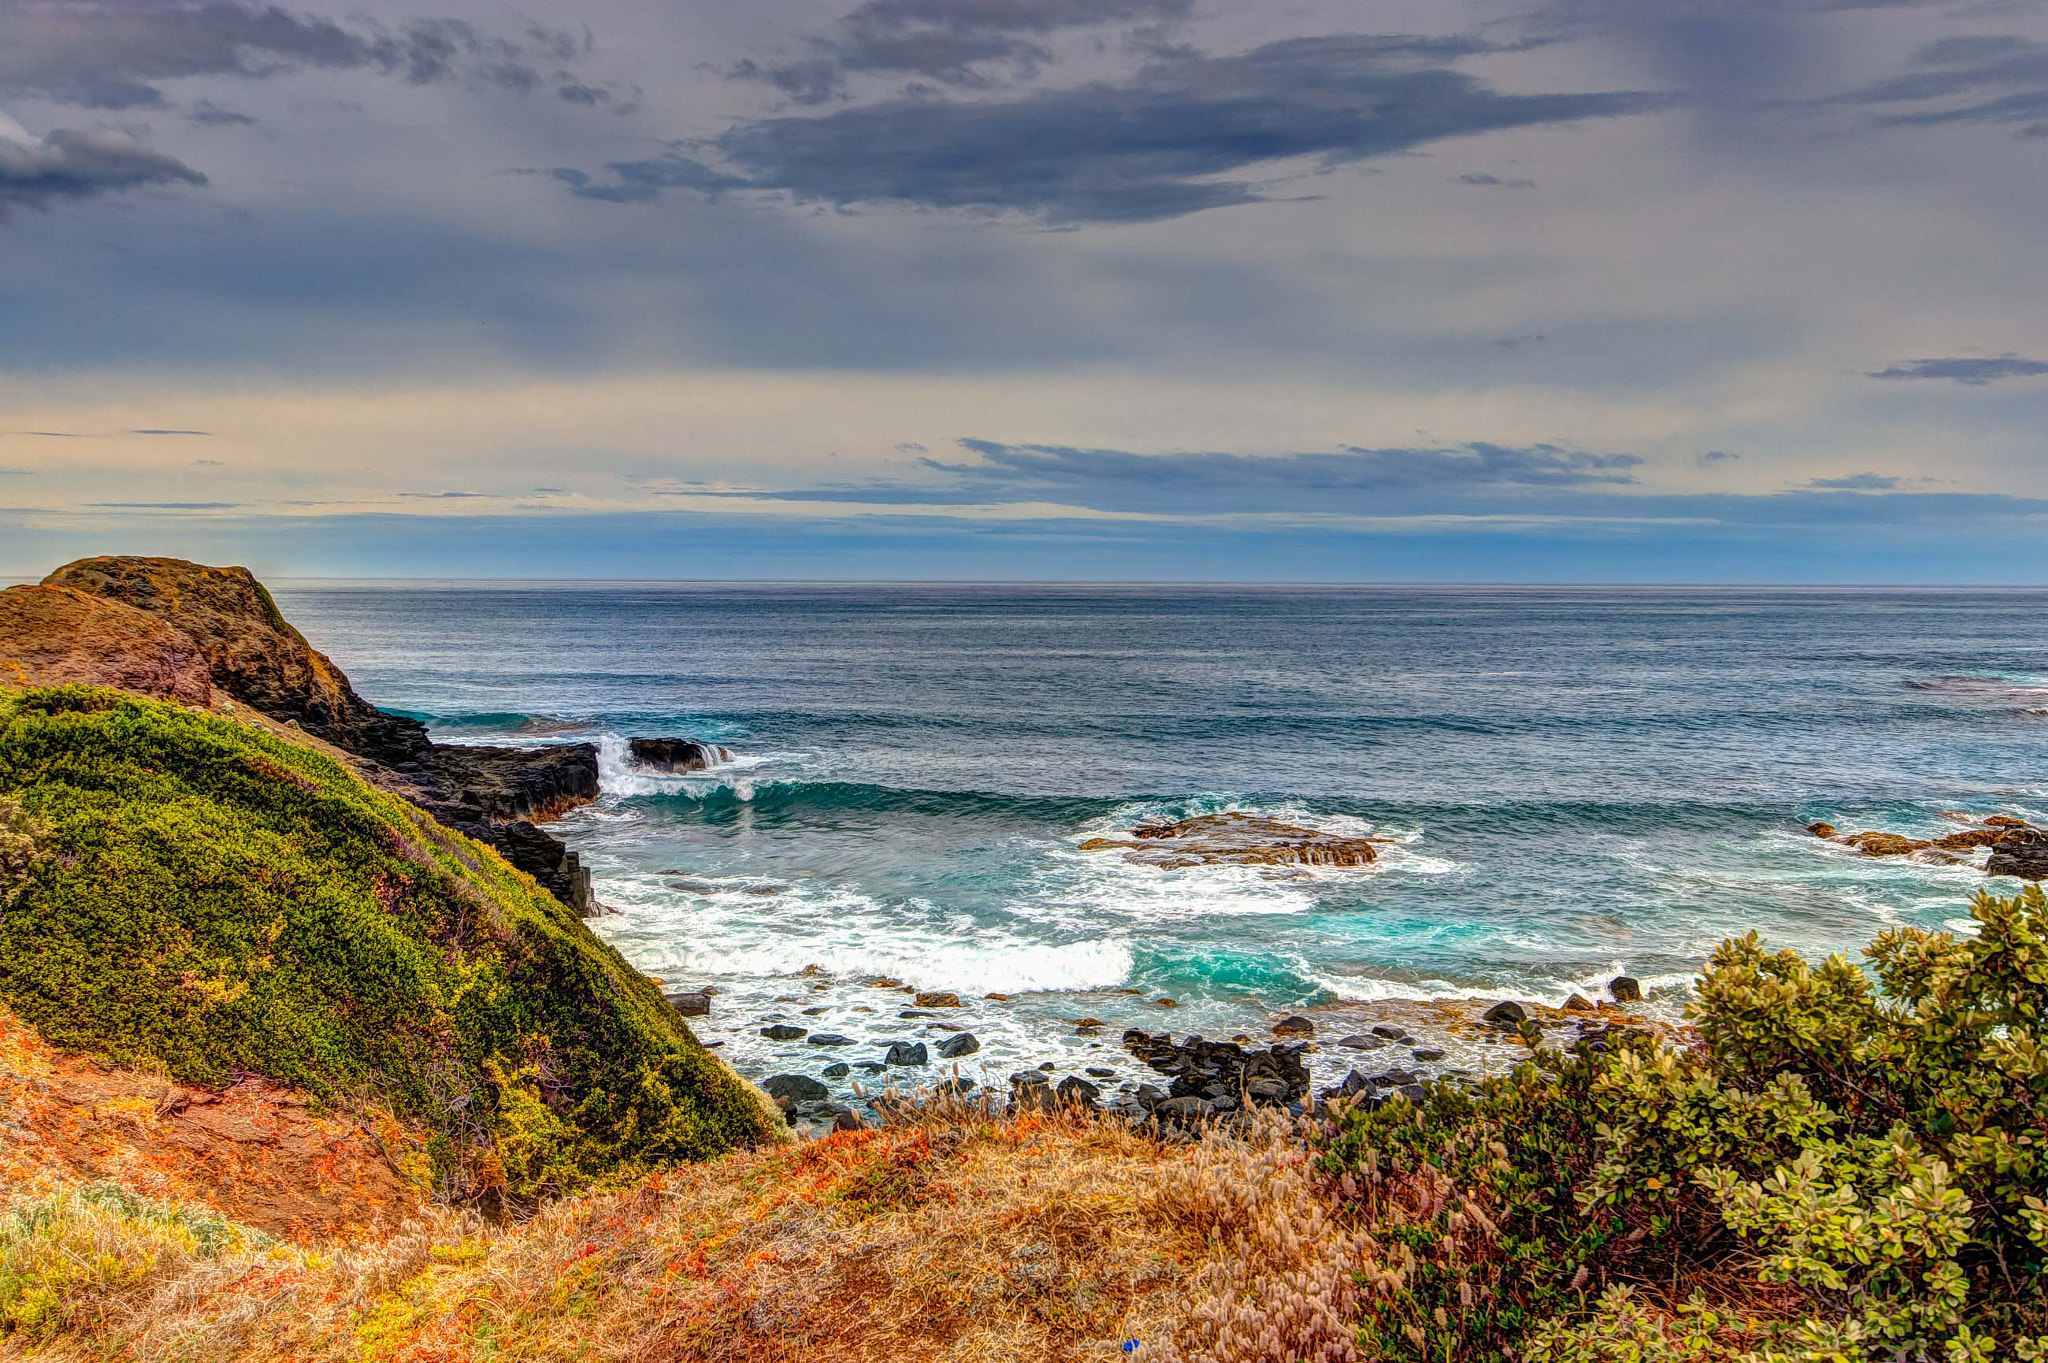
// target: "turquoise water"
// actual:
[[1583, 781]]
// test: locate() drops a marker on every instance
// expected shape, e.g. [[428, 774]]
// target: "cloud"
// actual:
[[69, 163], [1495, 182], [446, 496], [1159, 146], [163, 506], [207, 114], [1711, 458], [1858, 482], [116, 54], [1964, 369], [163, 430], [1345, 481], [644, 181], [1971, 79], [952, 42], [208, 464]]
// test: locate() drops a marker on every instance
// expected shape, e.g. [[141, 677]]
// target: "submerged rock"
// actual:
[[1238, 839], [953, 1047]]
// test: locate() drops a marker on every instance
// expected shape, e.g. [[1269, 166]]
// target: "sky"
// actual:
[[1465, 290]]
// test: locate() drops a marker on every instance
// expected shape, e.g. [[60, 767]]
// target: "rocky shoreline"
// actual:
[[847, 1052]]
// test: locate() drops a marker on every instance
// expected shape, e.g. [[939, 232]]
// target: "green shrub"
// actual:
[[1854, 1168], [221, 901]]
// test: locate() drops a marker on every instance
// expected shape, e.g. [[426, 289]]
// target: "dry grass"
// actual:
[[947, 1235]]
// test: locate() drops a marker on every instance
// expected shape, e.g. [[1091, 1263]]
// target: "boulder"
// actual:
[[837, 1071], [938, 998], [1294, 1025], [907, 1053], [790, 1089], [1823, 830], [1625, 989], [1361, 1043], [1390, 1032], [953, 1047], [1237, 839], [1506, 1013], [828, 1039], [1578, 1003], [2021, 852], [782, 1031], [675, 755], [691, 1003], [1075, 1091]]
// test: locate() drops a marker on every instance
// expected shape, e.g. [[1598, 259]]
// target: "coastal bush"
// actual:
[[220, 901], [1848, 1166]]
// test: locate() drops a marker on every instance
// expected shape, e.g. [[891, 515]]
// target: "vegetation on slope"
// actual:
[[1841, 1170], [218, 901]]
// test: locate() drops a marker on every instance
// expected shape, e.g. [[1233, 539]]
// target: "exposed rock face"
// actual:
[[184, 631], [676, 754], [1238, 839], [2021, 852], [53, 635], [253, 654]]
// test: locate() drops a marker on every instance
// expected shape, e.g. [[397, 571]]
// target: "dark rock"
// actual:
[[817, 1012], [830, 1039], [836, 1071], [1506, 1013], [954, 1088], [1184, 1111], [1425, 1054], [676, 754], [1390, 1032], [907, 1053], [1029, 1079], [1361, 1043], [953, 1047], [915, 1013], [848, 1120], [1078, 1091], [1150, 1096], [782, 1031], [692, 1003], [869, 1066], [1216, 1069], [938, 998], [1578, 1003], [1294, 1025], [1625, 989], [2021, 852], [794, 1088], [1100, 1072], [1395, 1078]]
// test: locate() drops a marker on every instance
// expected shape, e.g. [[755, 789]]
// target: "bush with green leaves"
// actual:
[[221, 901], [1846, 1166]]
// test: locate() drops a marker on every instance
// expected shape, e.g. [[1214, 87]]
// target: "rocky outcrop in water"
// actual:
[[187, 632], [1238, 839], [2021, 852], [2017, 847], [675, 755]]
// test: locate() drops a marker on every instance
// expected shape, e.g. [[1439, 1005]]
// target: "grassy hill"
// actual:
[[199, 895]]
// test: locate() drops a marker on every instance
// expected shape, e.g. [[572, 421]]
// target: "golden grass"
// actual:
[[946, 1235]]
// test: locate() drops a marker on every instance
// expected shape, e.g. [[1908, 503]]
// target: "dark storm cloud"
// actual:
[[70, 163], [1858, 482], [115, 54], [1964, 369], [947, 41], [1149, 149], [1979, 79]]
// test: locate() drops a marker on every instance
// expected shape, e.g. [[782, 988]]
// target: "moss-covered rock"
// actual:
[[219, 900]]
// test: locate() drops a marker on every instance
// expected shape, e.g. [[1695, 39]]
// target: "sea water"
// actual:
[[1578, 782]]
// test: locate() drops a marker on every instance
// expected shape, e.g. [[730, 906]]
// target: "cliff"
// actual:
[[201, 635], [219, 901]]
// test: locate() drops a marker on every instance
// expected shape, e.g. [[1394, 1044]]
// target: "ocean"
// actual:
[[1581, 782]]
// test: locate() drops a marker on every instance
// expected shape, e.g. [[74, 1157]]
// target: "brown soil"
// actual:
[[256, 1153]]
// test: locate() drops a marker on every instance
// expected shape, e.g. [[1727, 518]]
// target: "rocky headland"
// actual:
[[2018, 848], [214, 637]]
